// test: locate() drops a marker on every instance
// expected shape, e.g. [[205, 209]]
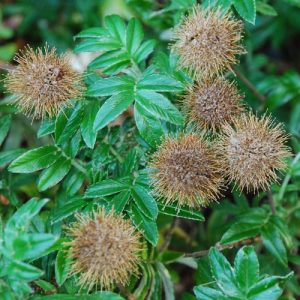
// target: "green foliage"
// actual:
[[96, 152], [241, 281]]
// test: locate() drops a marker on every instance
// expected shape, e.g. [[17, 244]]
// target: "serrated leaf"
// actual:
[[105, 188], [145, 225], [206, 293], [34, 160], [47, 127], [112, 108], [22, 271], [159, 106], [93, 32], [186, 213], [119, 201], [159, 83], [273, 242], [129, 163], [62, 267], [246, 268], [149, 127], [31, 245], [116, 27], [223, 273], [246, 9], [5, 122], [111, 86], [144, 51], [54, 174], [89, 134], [134, 35], [145, 202]]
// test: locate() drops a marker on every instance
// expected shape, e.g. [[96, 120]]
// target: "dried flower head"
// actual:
[[105, 249], [208, 41], [212, 102], [43, 82], [186, 170], [253, 149]]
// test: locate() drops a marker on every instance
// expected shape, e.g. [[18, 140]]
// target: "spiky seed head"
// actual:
[[186, 170], [253, 150], [212, 102], [207, 41], [43, 82], [104, 250]]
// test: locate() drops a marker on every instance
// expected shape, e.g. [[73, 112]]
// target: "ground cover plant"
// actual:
[[149, 150]]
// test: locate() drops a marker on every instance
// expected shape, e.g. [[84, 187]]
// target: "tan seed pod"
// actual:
[[43, 82], [212, 102], [104, 251], [208, 41], [186, 170], [253, 150]]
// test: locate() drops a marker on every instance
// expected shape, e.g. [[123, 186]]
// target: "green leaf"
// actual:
[[93, 32], [89, 134], [73, 182], [265, 9], [268, 288], [54, 174], [224, 4], [9, 155], [134, 35], [223, 273], [206, 293], [159, 106], [20, 220], [129, 163], [246, 9], [145, 225], [71, 126], [246, 268], [167, 282], [159, 83], [47, 127], [144, 51], [31, 245], [34, 160], [273, 242], [119, 201], [67, 209], [111, 86], [21, 271], [149, 127], [145, 202], [5, 122], [186, 213], [62, 267], [116, 27], [112, 108], [105, 188]]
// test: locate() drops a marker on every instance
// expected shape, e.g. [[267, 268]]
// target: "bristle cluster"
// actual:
[[212, 102], [186, 170], [105, 250], [252, 151], [207, 41], [43, 82]]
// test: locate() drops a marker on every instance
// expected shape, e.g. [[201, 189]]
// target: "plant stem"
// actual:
[[271, 202], [169, 233], [249, 85], [78, 166], [223, 247], [116, 154]]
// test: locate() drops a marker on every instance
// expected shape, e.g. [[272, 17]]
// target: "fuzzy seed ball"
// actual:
[[207, 41], [212, 102], [253, 150], [104, 250], [42, 82], [186, 171]]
